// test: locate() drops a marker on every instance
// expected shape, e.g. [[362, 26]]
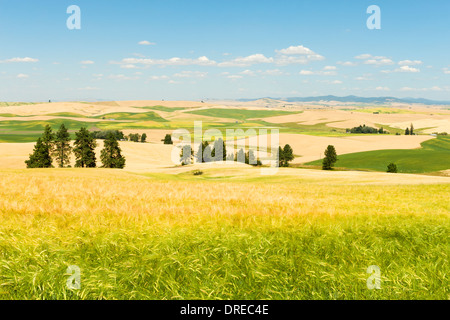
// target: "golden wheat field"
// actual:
[[228, 234]]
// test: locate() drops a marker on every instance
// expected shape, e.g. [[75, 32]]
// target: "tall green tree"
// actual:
[[219, 153], [407, 132], [279, 156], [330, 158], [84, 149], [186, 154], [40, 158], [241, 156], [288, 155], [48, 138], [144, 137], [251, 157], [62, 148], [111, 155], [411, 131]]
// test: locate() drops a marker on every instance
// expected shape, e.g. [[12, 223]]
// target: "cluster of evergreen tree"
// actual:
[[219, 153], [57, 147], [247, 158], [102, 135], [136, 137], [366, 129], [410, 131]]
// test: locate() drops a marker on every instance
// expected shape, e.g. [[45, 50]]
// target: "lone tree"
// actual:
[[144, 137], [84, 149], [392, 168], [407, 132], [411, 130], [330, 158], [111, 156], [288, 155], [219, 153], [186, 155], [62, 147], [40, 158], [168, 139]]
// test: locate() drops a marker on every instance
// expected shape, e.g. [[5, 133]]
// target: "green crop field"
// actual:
[[163, 108], [433, 156], [240, 114], [146, 116]]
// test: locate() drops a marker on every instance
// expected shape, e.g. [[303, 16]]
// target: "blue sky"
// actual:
[[209, 49]]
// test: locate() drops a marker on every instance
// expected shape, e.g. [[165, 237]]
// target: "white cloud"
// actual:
[[364, 56], [379, 61], [89, 88], [22, 76], [348, 63], [374, 60], [87, 62], [435, 88], [121, 77], [191, 74], [407, 69], [382, 89], [129, 66], [364, 77], [201, 61], [248, 72], [410, 62], [296, 50], [246, 61], [403, 69], [234, 77], [159, 77], [446, 70], [13, 60], [146, 43], [329, 68], [272, 72], [319, 73]]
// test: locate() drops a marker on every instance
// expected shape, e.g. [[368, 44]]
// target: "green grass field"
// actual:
[[433, 156], [240, 114], [163, 108], [137, 237]]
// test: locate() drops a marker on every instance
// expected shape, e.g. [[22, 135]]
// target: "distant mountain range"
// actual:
[[356, 99]]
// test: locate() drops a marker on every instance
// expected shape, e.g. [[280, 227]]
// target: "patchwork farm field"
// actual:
[[161, 236], [157, 231]]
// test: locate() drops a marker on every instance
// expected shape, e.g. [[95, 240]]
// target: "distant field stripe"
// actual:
[[240, 114]]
